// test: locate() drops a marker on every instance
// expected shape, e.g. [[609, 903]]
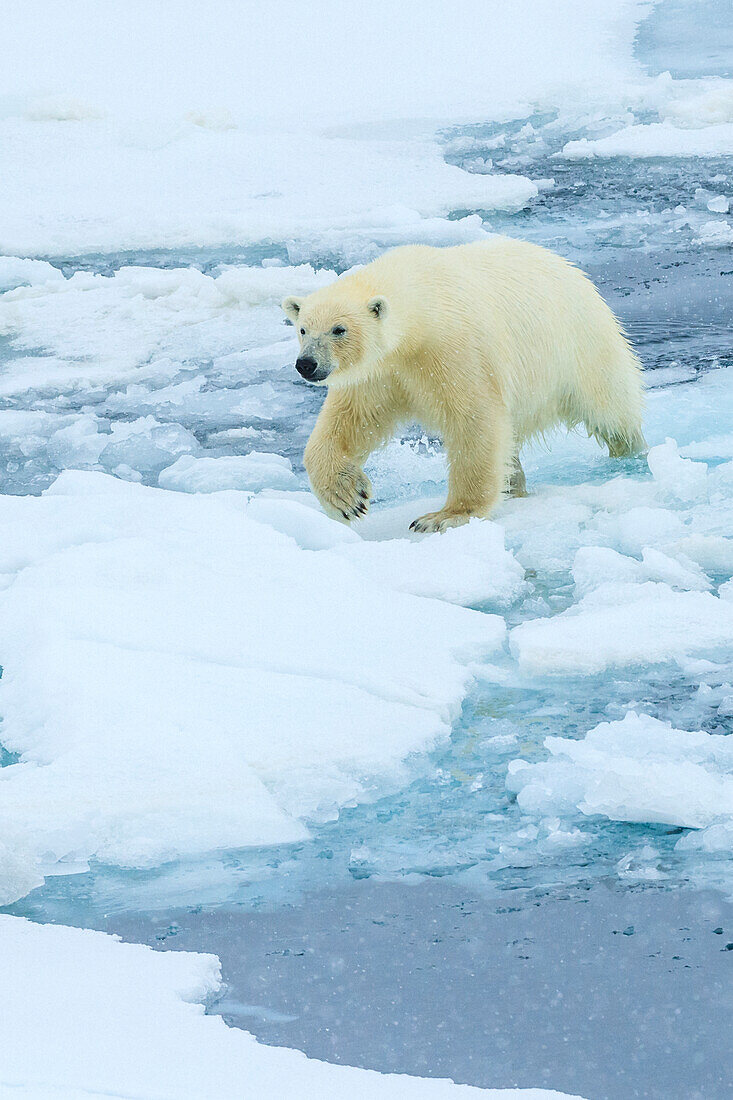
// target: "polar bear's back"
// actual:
[[536, 324]]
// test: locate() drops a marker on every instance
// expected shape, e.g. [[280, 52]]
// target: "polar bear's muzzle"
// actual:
[[315, 361], [309, 369]]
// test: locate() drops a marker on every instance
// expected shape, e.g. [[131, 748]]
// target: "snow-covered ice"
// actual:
[[638, 769], [255, 470], [657, 139], [181, 678], [633, 613], [229, 148]]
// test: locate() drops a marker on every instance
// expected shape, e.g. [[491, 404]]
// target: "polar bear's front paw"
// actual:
[[348, 496], [439, 521]]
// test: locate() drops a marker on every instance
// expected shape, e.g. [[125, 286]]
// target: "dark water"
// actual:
[[609, 993], [687, 38]]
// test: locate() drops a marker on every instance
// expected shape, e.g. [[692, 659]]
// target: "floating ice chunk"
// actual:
[[598, 565], [228, 436], [638, 528], [465, 565], [699, 103], [680, 572], [547, 529], [265, 402], [553, 837], [715, 446], [719, 204], [715, 234], [255, 471], [716, 838], [146, 445], [19, 868], [127, 473], [78, 444], [638, 769], [658, 139], [87, 982], [721, 490], [622, 625], [702, 196], [641, 865], [678, 478], [255, 286], [143, 398]]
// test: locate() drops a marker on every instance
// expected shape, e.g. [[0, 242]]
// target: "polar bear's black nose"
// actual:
[[307, 367]]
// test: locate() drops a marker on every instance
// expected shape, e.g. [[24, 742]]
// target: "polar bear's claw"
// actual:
[[438, 521], [348, 497]]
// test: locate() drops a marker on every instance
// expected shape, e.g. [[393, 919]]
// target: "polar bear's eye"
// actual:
[[302, 332], [338, 330]]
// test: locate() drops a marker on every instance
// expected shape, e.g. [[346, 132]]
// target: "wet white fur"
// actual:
[[487, 344]]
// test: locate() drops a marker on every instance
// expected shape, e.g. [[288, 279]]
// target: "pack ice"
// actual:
[[180, 676], [650, 561]]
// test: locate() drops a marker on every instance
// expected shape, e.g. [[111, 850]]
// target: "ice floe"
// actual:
[[253, 471], [638, 769], [657, 139]]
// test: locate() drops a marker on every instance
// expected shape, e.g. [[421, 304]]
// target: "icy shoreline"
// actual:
[[94, 1017]]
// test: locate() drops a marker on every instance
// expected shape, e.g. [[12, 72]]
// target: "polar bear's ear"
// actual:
[[377, 306], [291, 307]]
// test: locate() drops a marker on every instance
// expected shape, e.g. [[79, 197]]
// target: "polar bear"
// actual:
[[485, 344]]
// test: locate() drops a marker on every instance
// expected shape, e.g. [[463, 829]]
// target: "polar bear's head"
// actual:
[[341, 340]]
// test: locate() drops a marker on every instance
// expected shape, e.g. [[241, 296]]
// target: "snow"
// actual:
[[264, 666], [107, 327], [374, 191], [695, 119], [229, 63], [136, 360], [219, 137], [640, 552], [180, 677], [94, 1017]]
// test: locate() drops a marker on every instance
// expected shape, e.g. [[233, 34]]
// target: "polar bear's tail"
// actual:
[[625, 444], [622, 431]]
